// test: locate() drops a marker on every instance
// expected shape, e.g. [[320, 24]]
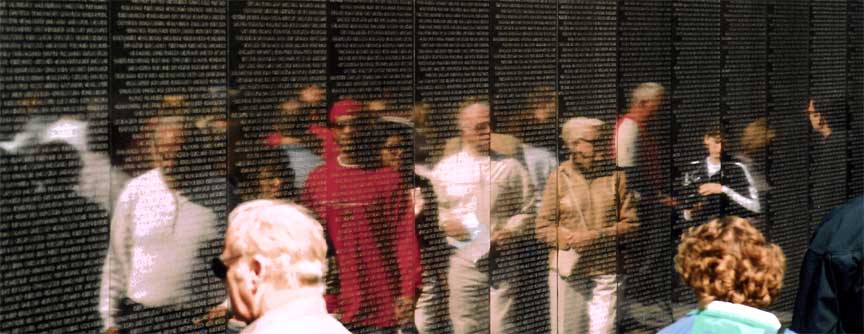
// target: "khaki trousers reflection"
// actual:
[[430, 314], [583, 304], [478, 304]]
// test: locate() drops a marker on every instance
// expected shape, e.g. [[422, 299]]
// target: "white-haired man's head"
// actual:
[[581, 136], [475, 124], [271, 246], [646, 98]]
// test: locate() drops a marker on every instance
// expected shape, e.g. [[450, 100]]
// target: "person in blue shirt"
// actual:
[[735, 273]]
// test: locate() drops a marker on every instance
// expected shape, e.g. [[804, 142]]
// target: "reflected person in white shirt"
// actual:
[[486, 205], [156, 239]]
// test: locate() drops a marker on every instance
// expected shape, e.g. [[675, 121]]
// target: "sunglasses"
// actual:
[[219, 268], [341, 125]]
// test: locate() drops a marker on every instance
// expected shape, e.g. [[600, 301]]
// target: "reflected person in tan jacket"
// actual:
[[586, 205]]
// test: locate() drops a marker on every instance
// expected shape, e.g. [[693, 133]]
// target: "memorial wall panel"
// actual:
[[855, 96], [168, 104], [587, 60], [54, 168], [276, 93], [372, 58], [524, 105], [828, 93], [788, 56], [696, 109], [645, 54], [748, 137], [453, 63]]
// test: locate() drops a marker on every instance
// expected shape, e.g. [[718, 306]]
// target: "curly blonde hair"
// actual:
[[727, 259]]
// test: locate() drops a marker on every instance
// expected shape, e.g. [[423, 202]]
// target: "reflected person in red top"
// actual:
[[370, 226]]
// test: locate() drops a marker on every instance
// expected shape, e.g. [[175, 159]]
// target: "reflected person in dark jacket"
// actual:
[[718, 186]]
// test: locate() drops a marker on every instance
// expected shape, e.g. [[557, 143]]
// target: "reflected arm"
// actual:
[[115, 271], [547, 225]]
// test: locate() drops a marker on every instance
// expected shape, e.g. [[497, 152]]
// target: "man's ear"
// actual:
[[257, 270]]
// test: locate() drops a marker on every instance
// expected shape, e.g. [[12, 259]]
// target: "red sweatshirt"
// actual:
[[370, 224]]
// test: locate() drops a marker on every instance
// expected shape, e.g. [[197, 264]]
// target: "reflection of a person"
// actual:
[[538, 132], [718, 186], [827, 160], [99, 181], [637, 153], [370, 226], [584, 208], [292, 136], [273, 267], [635, 150], [155, 238], [754, 139], [49, 234], [485, 200], [541, 123], [273, 176], [430, 314], [818, 122]]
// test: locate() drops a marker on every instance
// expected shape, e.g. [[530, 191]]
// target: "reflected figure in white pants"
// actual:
[[485, 206], [586, 206]]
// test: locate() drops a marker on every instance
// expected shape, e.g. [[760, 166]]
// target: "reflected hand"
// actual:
[[501, 237], [710, 189], [112, 330], [624, 228], [289, 140], [456, 230], [404, 311], [214, 315], [312, 94], [581, 238], [693, 211], [668, 201], [419, 202]]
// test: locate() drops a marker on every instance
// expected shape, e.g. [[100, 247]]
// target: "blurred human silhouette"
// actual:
[[99, 181], [537, 129], [266, 173], [636, 151], [828, 175], [634, 146], [430, 314], [755, 138], [48, 226], [292, 135]]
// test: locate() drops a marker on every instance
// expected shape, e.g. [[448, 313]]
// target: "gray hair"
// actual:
[[283, 234], [646, 91], [576, 127]]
